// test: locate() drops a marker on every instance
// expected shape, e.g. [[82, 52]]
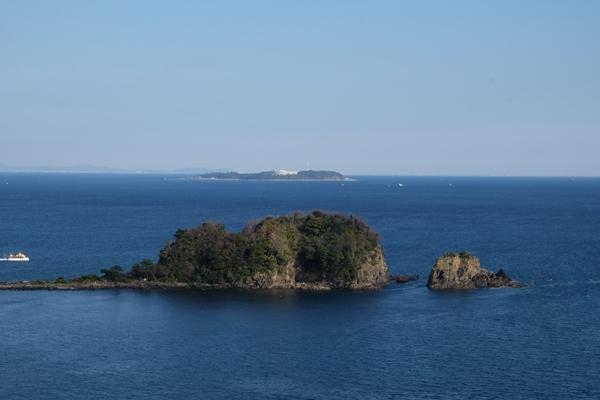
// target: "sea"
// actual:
[[401, 342]]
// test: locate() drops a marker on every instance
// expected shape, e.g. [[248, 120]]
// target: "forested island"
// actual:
[[276, 175], [316, 251]]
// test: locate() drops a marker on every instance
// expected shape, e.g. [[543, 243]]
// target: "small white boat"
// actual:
[[20, 256]]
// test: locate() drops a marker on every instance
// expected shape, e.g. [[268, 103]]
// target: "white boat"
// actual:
[[20, 256]]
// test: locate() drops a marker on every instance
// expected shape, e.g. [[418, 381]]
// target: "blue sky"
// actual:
[[373, 87]]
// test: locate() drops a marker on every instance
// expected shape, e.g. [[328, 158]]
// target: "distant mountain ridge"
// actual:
[[81, 169], [308, 175]]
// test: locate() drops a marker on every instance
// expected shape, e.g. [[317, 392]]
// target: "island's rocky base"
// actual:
[[90, 285], [150, 285], [463, 271]]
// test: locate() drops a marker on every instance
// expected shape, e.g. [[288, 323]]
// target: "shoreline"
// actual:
[[153, 285]]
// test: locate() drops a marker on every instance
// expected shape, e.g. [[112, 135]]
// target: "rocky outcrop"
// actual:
[[92, 285], [464, 271], [373, 273], [405, 278]]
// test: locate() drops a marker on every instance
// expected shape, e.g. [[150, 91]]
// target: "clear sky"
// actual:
[[372, 87]]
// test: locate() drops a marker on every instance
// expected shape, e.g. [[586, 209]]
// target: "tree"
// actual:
[[114, 273]]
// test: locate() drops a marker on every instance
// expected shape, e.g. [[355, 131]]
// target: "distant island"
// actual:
[[278, 175], [95, 169], [316, 251]]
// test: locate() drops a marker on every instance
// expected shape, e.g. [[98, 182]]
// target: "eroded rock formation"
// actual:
[[464, 271]]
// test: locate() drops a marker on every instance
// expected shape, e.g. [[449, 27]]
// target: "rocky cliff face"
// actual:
[[463, 271], [372, 274]]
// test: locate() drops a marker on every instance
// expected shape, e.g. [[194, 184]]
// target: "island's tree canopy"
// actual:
[[320, 246], [323, 245]]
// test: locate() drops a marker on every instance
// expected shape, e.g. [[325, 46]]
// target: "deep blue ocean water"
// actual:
[[403, 342]]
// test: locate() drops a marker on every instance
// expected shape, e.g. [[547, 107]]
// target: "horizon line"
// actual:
[[180, 172]]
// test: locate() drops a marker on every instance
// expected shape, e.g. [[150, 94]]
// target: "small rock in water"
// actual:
[[405, 278], [463, 271]]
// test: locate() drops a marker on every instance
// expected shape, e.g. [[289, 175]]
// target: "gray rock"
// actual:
[[463, 271], [405, 278]]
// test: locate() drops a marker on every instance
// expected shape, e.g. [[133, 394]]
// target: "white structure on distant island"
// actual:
[[284, 172]]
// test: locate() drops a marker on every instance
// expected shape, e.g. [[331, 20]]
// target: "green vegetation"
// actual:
[[87, 278], [325, 246], [321, 246], [334, 246], [464, 255], [114, 274]]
